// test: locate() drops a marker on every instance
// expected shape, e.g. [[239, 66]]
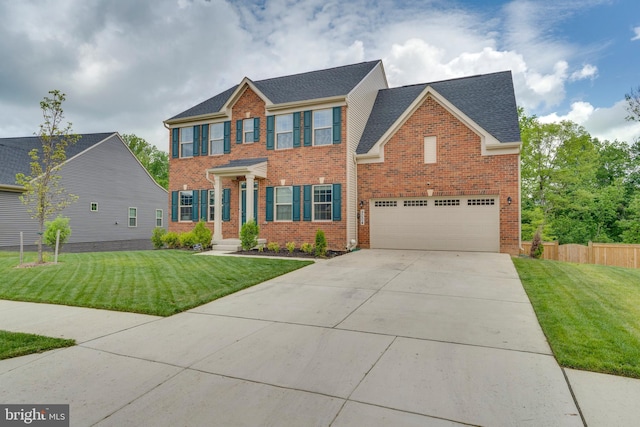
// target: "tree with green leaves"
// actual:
[[155, 161], [633, 104], [44, 194]]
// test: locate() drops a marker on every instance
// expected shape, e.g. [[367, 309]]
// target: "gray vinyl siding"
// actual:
[[360, 101], [109, 174]]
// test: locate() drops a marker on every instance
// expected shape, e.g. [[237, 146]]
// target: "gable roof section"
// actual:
[[487, 99], [338, 81], [15, 153]]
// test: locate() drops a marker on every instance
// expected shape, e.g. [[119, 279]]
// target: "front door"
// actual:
[[243, 202]]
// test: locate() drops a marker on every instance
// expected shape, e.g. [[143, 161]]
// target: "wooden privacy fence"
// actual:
[[613, 254]]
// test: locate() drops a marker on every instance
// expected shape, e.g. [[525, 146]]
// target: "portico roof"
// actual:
[[239, 167]]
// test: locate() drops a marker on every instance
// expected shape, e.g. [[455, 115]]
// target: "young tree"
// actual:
[[156, 162], [633, 104], [44, 195]]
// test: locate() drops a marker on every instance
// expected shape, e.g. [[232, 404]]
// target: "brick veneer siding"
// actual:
[[298, 166], [460, 169]]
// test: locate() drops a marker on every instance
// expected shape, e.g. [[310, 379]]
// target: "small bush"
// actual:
[[171, 239], [249, 235], [321, 244], [291, 246], [188, 239], [156, 237], [273, 246], [307, 248], [202, 234], [51, 227], [537, 248]]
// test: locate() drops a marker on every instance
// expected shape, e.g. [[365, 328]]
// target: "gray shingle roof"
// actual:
[[242, 162], [487, 99], [336, 81], [14, 153]]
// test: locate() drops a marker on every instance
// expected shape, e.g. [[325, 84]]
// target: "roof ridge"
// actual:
[[316, 71]]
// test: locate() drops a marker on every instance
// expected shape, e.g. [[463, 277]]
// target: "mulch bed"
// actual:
[[297, 253]]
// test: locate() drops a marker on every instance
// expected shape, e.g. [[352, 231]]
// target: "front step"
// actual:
[[231, 245]]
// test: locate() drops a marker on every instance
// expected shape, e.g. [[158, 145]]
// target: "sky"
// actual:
[[126, 66]]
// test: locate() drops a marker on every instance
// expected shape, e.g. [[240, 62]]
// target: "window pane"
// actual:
[[217, 131], [186, 202], [284, 194], [285, 140], [247, 125], [284, 212], [322, 118], [132, 212], [322, 193], [212, 201], [284, 123], [186, 134], [322, 202], [322, 136], [322, 211], [187, 150], [248, 137], [217, 146]]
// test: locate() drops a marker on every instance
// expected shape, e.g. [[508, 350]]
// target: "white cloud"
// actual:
[[587, 72], [636, 31]]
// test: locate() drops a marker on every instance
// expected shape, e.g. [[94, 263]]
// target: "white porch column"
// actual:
[[249, 193], [217, 207]]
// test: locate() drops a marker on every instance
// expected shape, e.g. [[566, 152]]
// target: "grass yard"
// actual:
[[152, 282], [14, 344], [589, 313]]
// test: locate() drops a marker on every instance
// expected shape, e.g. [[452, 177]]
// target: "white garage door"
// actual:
[[464, 223]]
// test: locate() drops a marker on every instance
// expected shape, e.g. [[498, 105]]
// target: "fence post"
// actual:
[[591, 257]]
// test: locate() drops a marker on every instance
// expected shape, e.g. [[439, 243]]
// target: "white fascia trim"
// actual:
[[197, 120], [239, 91], [489, 144], [259, 170], [12, 188]]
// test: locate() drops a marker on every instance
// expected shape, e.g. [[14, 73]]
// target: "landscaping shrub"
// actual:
[[291, 246], [202, 234], [249, 235], [537, 248], [307, 248], [156, 237], [171, 239], [51, 227], [321, 244], [188, 239], [273, 246]]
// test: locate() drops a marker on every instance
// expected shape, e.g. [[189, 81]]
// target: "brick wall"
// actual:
[[460, 169], [297, 166]]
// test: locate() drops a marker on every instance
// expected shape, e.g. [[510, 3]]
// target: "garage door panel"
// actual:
[[462, 223]]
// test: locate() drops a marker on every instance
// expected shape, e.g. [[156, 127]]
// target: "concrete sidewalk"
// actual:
[[375, 338]]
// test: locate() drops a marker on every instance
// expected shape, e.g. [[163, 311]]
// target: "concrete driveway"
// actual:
[[372, 338]]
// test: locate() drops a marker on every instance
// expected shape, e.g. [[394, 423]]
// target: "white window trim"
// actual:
[[91, 207], [313, 203], [276, 204], [181, 142], [314, 127], [211, 140], [276, 133], [161, 218], [180, 205], [129, 217]]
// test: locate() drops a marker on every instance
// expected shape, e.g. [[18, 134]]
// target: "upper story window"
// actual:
[[186, 142], [133, 217], [284, 131], [322, 127], [322, 202], [284, 203], [247, 126], [216, 139], [186, 205]]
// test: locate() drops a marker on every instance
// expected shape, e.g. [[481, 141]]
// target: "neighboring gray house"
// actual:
[[119, 203]]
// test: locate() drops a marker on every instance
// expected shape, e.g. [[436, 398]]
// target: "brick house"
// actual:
[[429, 166]]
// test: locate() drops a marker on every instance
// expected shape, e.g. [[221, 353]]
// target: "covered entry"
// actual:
[[458, 223]]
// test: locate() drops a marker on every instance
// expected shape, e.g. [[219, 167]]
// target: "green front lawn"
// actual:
[[152, 282], [589, 313], [14, 344]]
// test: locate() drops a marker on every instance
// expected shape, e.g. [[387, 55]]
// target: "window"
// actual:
[[284, 203], [430, 149], [186, 142], [322, 127], [415, 203], [481, 202], [212, 202], [158, 217], [94, 206], [447, 202], [133, 217], [284, 131], [247, 125], [322, 202], [216, 139], [386, 203], [186, 205]]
